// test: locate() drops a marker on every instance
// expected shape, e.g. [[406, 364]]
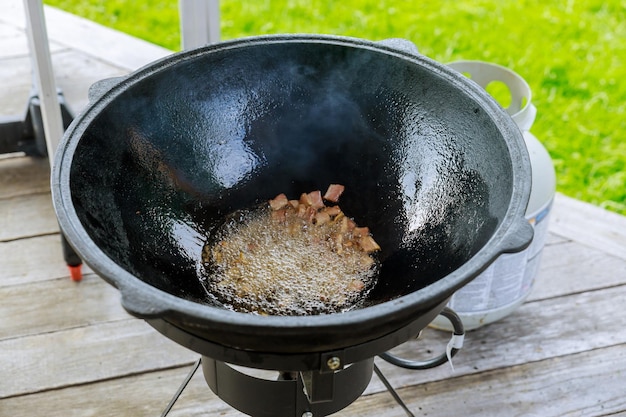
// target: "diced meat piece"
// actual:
[[356, 285], [316, 199], [279, 202], [366, 262], [305, 200], [334, 192], [339, 217], [347, 225], [338, 240], [332, 210], [279, 215], [294, 228], [321, 217], [360, 231], [368, 244], [302, 210], [294, 203], [310, 214]]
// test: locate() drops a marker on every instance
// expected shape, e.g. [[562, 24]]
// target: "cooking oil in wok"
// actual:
[[286, 265]]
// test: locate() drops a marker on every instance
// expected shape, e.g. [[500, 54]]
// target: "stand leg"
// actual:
[[393, 392], [73, 261], [181, 388], [46, 113]]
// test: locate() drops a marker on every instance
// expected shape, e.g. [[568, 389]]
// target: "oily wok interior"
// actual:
[[162, 157]]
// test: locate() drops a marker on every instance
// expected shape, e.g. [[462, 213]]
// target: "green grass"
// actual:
[[572, 53]]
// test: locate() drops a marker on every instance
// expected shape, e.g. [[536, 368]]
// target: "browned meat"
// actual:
[[279, 202], [333, 192], [303, 257]]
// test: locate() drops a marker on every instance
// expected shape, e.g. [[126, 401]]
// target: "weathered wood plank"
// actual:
[[15, 66], [589, 225], [16, 78], [77, 71], [539, 330], [54, 305], [584, 384], [33, 259], [74, 73], [554, 239], [87, 354], [21, 176], [572, 267], [136, 396], [27, 216]]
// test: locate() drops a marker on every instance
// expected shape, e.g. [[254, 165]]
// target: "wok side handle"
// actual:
[[140, 305], [518, 237], [101, 87]]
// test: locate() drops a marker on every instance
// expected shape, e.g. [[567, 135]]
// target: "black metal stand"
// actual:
[[26, 134], [309, 393], [270, 388], [304, 393]]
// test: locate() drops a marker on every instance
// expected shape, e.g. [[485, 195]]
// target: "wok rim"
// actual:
[[146, 301]]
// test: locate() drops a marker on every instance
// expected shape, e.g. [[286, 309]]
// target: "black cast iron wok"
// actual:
[[431, 164]]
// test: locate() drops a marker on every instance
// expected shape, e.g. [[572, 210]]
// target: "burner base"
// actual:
[[293, 394]]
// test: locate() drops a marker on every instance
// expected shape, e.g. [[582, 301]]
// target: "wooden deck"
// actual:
[[69, 349]]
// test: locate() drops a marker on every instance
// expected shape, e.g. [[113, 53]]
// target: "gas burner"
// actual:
[[308, 393]]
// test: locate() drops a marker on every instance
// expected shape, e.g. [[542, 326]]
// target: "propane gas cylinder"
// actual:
[[507, 282]]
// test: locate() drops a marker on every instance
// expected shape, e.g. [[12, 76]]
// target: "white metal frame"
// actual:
[[199, 22], [44, 75], [200, 25]]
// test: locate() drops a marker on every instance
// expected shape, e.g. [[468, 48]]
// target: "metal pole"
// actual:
[[182, 387], [44, 75], [199, 22]]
